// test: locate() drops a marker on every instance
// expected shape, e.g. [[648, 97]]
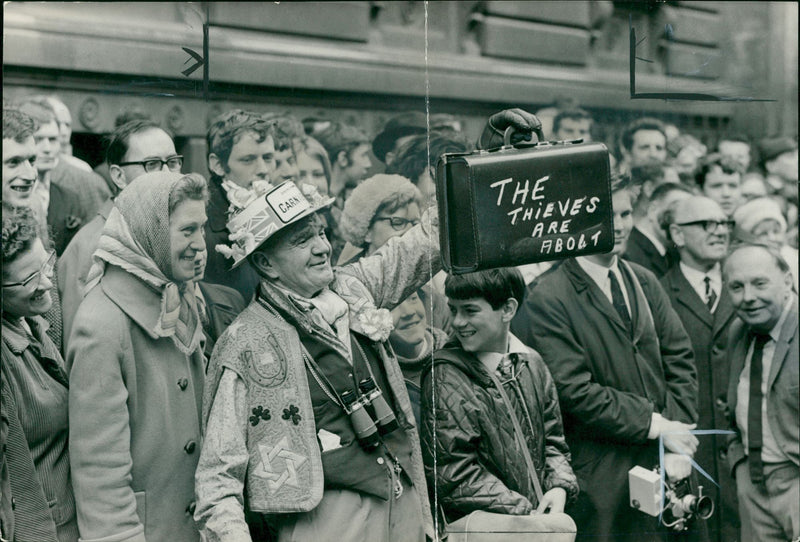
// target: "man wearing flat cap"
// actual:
[[309, 432]]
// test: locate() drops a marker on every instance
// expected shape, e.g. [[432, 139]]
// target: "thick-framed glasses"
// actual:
[[710, 226], [397, 223], [36, 278], [174, 163]]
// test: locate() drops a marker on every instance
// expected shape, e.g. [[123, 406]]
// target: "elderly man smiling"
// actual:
[[299, 382]]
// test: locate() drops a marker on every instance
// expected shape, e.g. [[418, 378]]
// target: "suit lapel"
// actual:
[[687, 297], [657, 261], [723, 315], [594, 296], [782, 348], [738, 351]]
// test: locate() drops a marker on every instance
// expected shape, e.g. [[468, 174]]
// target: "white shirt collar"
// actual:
[[491, 360], [697, 278], [597, 272], [599, 275], [656, 243]]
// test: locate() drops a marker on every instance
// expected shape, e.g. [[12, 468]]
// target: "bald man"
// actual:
[[762, 393], [700, 229], [648, 245]]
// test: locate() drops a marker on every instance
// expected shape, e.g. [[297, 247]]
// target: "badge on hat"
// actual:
[[263, 216]]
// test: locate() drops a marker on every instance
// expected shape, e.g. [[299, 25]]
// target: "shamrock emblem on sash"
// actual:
[[259, 413]]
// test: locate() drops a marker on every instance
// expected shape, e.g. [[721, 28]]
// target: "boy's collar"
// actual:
[[491, 360]]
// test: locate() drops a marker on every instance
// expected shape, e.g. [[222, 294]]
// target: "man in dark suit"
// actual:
[[764, 454], [648, 245], [700, 230], [625, 374]]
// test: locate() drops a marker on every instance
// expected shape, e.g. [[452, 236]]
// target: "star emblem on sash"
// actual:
[[279, 465]]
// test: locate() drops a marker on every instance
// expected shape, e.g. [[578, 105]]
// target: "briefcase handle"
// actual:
[[510, 130]]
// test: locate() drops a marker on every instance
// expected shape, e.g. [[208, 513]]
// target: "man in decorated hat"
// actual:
[[309, 429]]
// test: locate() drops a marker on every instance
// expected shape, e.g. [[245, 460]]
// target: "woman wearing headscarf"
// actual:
[[137, 366], [34, 392]]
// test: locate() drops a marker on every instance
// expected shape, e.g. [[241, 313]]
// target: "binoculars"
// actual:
[[367, 430]]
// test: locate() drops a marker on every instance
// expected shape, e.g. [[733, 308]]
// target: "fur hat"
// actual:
[[363, 204], [750, 214]]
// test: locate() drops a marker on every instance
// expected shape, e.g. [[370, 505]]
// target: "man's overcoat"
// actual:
[[609, 383]]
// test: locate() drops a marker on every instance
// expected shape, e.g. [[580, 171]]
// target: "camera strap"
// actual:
[[520, 436]]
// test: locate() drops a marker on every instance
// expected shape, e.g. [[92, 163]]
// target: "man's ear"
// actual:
[[260, 261], [342, 160], [118, 176], [215, 165], [676, 233], [788, 280], [509, 309]]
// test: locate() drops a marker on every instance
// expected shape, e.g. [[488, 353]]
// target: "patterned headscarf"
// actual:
[[136, 238]]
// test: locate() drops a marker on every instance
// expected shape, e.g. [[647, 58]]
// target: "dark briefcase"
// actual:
[[522, 204]]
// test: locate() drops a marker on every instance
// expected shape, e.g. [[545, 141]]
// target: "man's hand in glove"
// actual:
[[524, 124]]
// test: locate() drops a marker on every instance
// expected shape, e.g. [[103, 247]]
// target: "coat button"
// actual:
[[13, 503], [183, 383], [190, 446], [380, 461], [191, 508]]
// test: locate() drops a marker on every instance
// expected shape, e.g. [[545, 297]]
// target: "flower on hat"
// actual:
[[240, 197], [243, 243], [313, 195]]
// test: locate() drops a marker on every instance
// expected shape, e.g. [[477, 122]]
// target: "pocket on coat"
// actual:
[[141, 506]]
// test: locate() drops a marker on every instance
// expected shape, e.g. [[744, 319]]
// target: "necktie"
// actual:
[[618, 300], [754, 429], [711, 295]]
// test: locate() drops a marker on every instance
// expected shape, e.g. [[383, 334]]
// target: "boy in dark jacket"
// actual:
[[466, 425]]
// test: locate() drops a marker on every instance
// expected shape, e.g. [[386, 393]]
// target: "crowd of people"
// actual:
[[274, 353]]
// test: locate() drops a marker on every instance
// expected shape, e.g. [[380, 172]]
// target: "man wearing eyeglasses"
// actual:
[[700, 229], [134, 149], [137, 147]]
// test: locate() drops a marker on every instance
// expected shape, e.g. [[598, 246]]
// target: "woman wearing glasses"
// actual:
[[382, 207], [34, 390]]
